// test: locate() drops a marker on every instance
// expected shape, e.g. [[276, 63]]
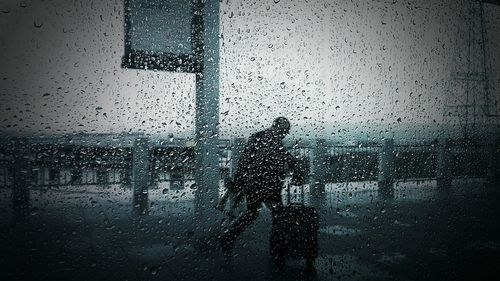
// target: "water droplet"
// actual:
[[37, 24]]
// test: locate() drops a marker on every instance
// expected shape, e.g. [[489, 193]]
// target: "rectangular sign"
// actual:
[[163, 35], [494, 2]]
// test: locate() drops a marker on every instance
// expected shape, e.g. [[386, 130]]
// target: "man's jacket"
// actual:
[[264, 163]]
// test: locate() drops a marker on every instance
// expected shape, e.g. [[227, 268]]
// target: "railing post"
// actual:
[[496, 161], [443, 173], [54, 176], [76, 175], [141, 177], [76, 165], [492, 151], [318, 172], [386, 169], [4, 181], [41, 176], [126, 176], [102, 176], [21, 178], [237, 149]]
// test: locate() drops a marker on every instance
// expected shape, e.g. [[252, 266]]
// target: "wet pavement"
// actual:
[[92, 234]]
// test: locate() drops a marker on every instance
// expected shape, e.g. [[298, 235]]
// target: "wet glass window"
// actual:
[[271, 139]]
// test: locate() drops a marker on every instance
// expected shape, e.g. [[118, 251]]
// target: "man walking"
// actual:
[[260, 174]]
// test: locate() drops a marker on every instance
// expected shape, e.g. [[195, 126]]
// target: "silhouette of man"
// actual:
[[260, 173]]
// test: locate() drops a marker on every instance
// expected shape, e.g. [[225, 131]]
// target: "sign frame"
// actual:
[[165, 61], [493, 2]]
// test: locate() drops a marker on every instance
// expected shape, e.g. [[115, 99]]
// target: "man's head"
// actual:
[[281, 126]]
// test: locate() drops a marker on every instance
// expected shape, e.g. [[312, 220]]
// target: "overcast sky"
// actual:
[[321, 63]]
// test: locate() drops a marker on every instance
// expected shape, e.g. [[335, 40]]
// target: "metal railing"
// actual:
[[57, 163]]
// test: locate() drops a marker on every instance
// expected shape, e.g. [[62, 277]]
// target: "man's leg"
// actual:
[[275, 205], [229, 237], [237, 200], [223, 200]]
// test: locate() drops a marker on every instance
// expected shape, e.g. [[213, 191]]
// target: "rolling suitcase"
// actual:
[[295, 232]]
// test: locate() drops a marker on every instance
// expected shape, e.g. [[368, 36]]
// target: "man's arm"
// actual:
[[295, 166]]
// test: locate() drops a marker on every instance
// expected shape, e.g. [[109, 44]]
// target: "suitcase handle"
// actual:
[[289, 195]]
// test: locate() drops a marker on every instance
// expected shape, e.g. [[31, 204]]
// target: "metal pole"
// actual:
[[237, 149], [207, 121], [102, 176], [386, 169], [20, 227], [319, 159], [141, 177], [443, 172], [21, 178]]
